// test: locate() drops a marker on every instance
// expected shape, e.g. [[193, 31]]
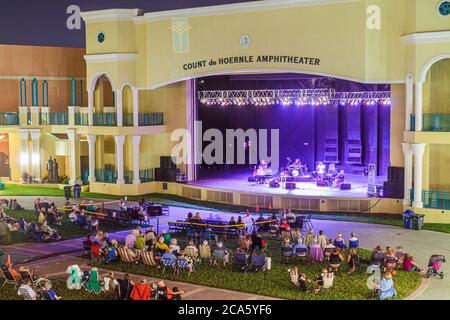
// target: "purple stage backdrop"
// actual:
[[43, 23], [305, 131]]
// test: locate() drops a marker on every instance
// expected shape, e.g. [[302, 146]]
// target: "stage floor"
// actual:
[[238, 181]]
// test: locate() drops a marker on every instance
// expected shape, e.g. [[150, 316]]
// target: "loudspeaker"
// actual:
[[163, 174], [291, 186], [159, 174], [321, 183], [393, 190], [166, 163], [396, 174], [346, 186]]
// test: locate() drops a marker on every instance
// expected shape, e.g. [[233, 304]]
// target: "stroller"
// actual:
[[434, 266]]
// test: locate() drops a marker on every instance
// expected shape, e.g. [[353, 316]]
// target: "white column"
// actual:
[[119, 108], [71, 114], [409, 102], [418, 150], [408, 155], [24, 154], [36, 154], [136, 154], [91, 141], [419, 102], [120, 140], [91, 108], [74, 138], [135, 107]]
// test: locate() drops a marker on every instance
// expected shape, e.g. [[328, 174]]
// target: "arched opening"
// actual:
[[104, 101], [436, 92], [436, 118]]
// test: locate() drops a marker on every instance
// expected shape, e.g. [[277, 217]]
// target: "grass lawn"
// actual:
[[276, 283], [29, 190], [66, 230], [177, 201], [9, 293]]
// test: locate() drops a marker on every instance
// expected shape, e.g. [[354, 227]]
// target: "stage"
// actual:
[[237, 180]]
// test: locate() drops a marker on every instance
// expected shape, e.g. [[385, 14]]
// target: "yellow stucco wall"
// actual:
[[437, 89], [345, 46]]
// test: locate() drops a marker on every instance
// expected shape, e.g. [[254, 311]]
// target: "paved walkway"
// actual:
[[421, 244]]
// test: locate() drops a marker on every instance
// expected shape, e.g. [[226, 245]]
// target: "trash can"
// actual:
[[76, 191], [67, 192], [417, 221], [407, 219]]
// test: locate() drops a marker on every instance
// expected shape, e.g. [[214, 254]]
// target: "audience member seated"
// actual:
[[140, 242], [164, 293], [353, 261], [124, 287], [48, 293], [166, 236], [387, 289], [335, 260], [49, 232], [174, 247], [325, 280], [409, 264], [150, 238], [161, 247], [390, 261], [353, 242], [191, 250], [339, 242], [220, 254], [26, 291], [73, 217], [141, 291], [130, 240], [399, 255], [377, 257], [14, 205]]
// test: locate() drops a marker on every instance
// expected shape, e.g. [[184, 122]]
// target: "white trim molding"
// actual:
[[427, 37], [111, 15], [264, 70], [233, 8], [429, 63], [110, 57]]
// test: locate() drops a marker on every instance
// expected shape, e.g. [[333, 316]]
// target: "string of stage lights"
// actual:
[[298, 97]]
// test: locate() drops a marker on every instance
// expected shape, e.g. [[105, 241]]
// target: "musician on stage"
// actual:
[[320, 169], [332, 169]]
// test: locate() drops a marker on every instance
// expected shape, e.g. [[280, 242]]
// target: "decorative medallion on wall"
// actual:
[[246, 41], [444, 8], [101, 37]]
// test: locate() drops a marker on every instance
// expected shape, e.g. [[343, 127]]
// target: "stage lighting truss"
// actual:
[[298, 97]]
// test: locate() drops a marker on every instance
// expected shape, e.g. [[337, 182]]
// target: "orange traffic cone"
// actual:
[[257, 209], [270, 206], [248, 213], [8, 260]]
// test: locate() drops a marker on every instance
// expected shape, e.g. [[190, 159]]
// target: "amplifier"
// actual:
[[346, 186], [291, 186], [321, 183]]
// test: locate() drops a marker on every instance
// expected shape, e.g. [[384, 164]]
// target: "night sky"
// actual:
[[43, 22]]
